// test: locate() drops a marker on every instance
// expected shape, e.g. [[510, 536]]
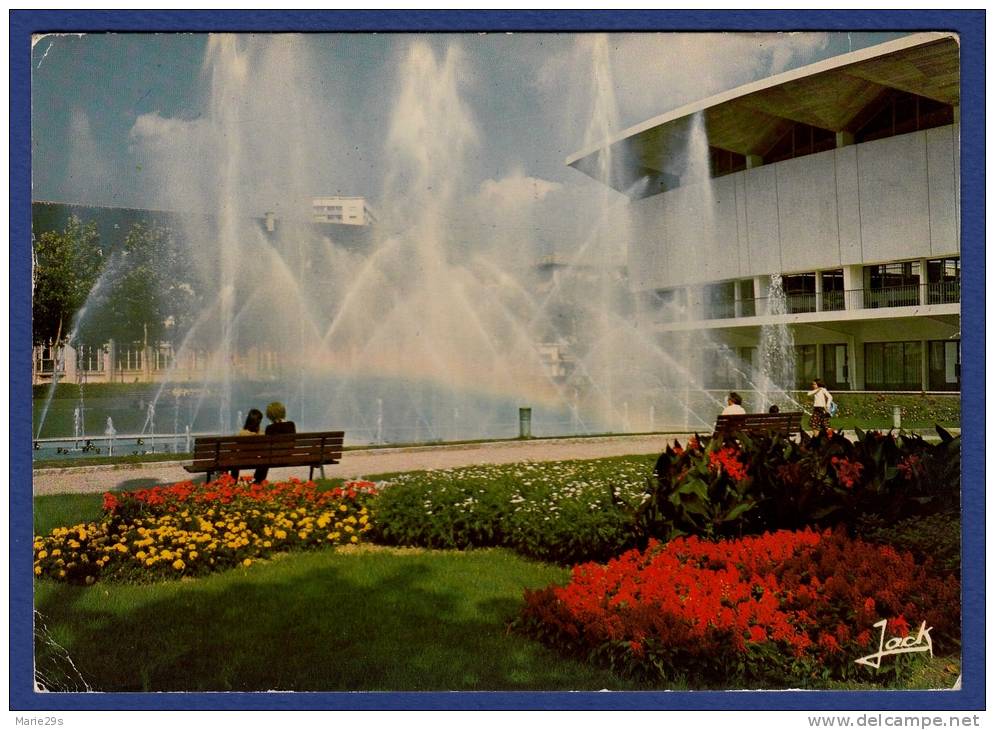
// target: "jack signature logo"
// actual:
[[898, 645]]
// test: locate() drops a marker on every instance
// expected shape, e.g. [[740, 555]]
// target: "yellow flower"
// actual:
[[247, 562], [267, 543], [150, 562], [179, 564], [56, 552], [343, 508], [42, 555], [353, 539], [37, 570], [280, 534], [193, 554]]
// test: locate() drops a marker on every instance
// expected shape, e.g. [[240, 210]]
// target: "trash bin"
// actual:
[[524, 423], [896, 417]]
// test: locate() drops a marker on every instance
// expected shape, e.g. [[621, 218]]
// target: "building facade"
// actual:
[[346, 210], [830, 207]]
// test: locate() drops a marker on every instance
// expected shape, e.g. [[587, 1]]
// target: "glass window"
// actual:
[[944, 365], [805, 366], [747, 299], [799, 292], [943, 280], [835, 367], [892, 285], [832, 290], [720, 300], [893, 366]]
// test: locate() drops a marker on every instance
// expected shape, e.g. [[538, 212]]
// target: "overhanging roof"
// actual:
[[836, 95]]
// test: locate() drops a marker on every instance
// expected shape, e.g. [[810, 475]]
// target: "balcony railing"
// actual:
[[826, 301]]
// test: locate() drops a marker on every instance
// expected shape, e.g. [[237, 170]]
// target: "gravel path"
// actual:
[[357, 464]]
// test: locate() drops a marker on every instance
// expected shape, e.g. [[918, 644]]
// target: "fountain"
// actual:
[[442, 336]]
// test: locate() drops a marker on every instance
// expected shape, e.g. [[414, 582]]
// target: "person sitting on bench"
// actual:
[[253, 425], [277, 414], [734, 405]]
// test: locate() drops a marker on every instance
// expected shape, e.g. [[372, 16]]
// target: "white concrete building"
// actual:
[[348, 210], [843, 178]]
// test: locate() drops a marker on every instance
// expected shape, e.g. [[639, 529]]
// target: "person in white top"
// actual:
[[734, 405], [821, 398]]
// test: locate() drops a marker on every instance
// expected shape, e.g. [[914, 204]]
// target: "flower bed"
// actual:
[[559, 511], [757, 483], [190, 529], [778, 610]]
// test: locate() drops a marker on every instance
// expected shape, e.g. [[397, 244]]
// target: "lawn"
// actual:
[[364, 618]]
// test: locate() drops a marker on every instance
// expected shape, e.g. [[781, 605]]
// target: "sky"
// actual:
[[116, 115]]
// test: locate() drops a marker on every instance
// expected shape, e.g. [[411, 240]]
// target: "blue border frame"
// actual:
[[970, 24]]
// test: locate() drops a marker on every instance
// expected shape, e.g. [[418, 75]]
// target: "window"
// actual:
[[725, 368], [800, 139], [720, 300], [832, 290], [799, 292], [835, 367], [893, 366], [944, 365], [668, 305], [748, 301], [901, 113], [943, 280], [805, 366], [892, 285]]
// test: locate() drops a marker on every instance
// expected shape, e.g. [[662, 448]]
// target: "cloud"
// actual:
[[516, 191]]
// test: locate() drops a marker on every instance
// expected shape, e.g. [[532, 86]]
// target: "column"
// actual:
[[69, 365], [853, 287], [924, 363], [856, 362], [753, 161], [110, 361], [844, 139], [923, 283], [818, 291]]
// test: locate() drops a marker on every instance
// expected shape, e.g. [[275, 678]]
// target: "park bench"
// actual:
[[752, 423], [218, 454]]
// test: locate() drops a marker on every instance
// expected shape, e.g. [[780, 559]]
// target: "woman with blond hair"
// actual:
[[277, 414]]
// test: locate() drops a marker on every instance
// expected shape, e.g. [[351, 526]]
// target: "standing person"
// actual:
[[277, 414], [821, 398], [734, 405], [252, 427]]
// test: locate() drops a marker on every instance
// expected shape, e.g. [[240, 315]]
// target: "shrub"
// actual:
[[559, 511], [933, 540], [781, 609], [186, 529], [748, 484]]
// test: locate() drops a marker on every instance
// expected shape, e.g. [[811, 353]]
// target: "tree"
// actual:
[[68, 264], [152, 298]]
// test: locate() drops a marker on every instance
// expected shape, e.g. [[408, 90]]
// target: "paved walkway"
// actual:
[[357, 464]]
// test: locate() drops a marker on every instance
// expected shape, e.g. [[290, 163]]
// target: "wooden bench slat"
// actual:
[[789, 422], [221, 453]]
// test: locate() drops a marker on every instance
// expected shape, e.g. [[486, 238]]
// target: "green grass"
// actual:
[[335, 620]]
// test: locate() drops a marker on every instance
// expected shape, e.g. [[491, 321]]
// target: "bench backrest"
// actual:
[[787, 423], [285, 449]]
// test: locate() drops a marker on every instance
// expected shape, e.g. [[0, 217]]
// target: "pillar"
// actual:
[[70, 372], [761, 290], [844, 138], [853, 287], [924, 364], [110, 361]]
